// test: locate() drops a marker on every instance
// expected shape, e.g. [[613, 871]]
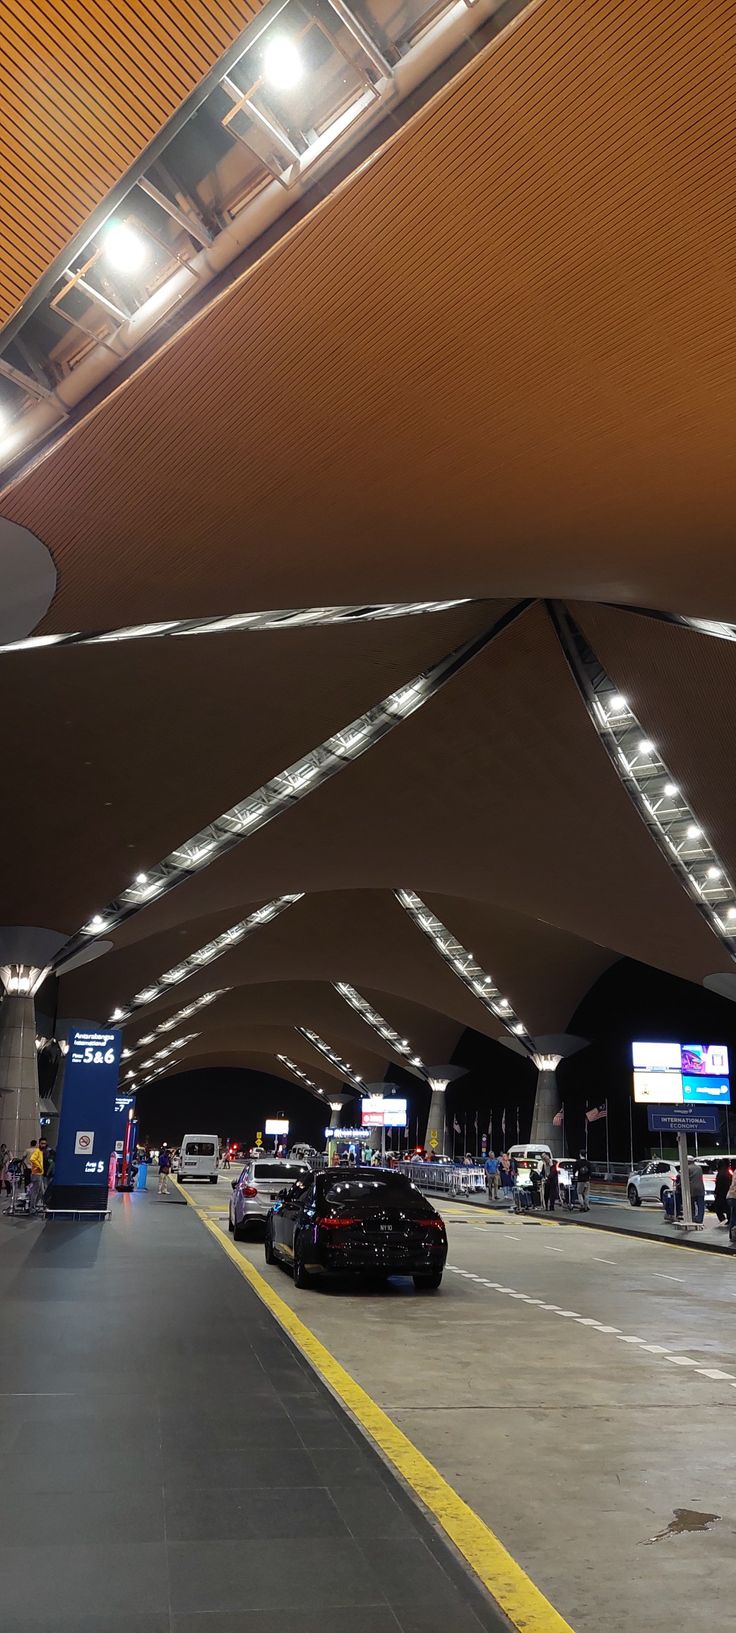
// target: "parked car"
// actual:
[[357, 1220], [649, 1181], [199, 1157], [257, 1188]]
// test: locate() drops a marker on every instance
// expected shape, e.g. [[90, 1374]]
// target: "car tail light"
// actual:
[[430, 1224], [250, 1190], [337, 1223]]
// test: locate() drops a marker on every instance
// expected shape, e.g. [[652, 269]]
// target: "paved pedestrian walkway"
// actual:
[[171, 1464], [622, 1219]]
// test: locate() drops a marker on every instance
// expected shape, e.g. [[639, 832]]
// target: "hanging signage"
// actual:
[[124, 1104], [677, 1074], [672, 1120], [87, 1122], [276, 1125]]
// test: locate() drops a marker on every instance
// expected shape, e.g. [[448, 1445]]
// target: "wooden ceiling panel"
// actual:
[[85, 89], [500, 359]]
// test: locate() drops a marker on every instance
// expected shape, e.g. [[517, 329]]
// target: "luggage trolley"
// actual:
[[19, 1198]]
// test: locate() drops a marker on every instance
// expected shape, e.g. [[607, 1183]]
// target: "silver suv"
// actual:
[[257, 1188]]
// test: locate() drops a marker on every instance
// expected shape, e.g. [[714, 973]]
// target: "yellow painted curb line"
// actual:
[[523, 1602]]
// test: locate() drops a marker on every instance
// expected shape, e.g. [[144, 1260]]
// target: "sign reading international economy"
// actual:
[[86, 1128]]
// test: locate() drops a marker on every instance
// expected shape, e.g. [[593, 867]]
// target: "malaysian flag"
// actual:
[[456, 1127], [596, 1113], [559, 1117]]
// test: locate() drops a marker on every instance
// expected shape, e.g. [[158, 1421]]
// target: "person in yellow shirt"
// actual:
[[33, 1157]]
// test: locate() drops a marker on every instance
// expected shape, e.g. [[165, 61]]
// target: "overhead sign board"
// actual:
[[677, 1074], [666, 1119], [276, 1125]]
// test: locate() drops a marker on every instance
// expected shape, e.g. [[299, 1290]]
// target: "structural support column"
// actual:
[[437, 1115], [335, 1111], [19, 1108], [548, 1106]]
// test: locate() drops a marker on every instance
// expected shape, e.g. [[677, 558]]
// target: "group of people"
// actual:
[[27, 1176], [544, 1180]]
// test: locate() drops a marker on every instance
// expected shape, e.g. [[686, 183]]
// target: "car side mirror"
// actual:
[[234, 1184]]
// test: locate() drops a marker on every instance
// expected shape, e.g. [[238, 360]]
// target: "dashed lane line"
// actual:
[[717, 1374]]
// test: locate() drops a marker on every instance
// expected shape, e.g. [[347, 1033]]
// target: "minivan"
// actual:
[[199, 1157]]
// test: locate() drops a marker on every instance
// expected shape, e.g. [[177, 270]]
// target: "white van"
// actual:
[[199, 1156], [529, 1155]]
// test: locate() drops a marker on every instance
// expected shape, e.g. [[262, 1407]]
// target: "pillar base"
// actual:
[[20, 1117]]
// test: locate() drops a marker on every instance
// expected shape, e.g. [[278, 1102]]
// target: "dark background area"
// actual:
[[630, 1001]]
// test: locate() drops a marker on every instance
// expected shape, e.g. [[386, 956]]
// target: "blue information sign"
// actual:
[[86, 1128], [662, 1119]]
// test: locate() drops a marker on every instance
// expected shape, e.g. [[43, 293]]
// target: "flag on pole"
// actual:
[[503, 1124], [456, 1127], [596, 1112], [559, 1117]]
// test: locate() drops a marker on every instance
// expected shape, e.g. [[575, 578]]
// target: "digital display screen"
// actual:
[[379, 1112], [276, 1125], [681, 1074]]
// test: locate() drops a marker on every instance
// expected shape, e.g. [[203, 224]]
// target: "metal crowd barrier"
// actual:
[[449, 1179]]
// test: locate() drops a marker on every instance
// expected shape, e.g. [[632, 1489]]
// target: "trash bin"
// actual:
[[142, 1179], [668, 1203]]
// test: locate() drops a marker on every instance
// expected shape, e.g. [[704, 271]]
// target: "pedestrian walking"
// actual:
[[535, 1181], [582, 1180], [551, 1187], [164, 1169], [5, 1161], [723, 1182], [731, 1204]]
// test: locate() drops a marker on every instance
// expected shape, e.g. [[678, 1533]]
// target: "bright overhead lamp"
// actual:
[[694, 832], [118, 1014], [731, 914], [282, 65], [141, 878], [671, 789], [714, 873], [646, 746], [123, 248], [618, 704]]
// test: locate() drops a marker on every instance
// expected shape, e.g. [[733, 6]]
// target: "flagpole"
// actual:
[[587, 1130], [608, 1153], [631, 1131]]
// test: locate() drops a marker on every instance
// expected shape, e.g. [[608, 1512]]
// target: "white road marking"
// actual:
[[508, 1237], [603, 1261], [548, 1249], [715, 1373], [663, 1276]]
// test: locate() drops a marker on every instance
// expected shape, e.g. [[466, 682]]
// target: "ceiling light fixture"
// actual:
[[123, 248], [376, 1021], [649, 785], [282, 65], [458, 958]]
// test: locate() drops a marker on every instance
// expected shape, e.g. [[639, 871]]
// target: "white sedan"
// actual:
[[649, 1182]]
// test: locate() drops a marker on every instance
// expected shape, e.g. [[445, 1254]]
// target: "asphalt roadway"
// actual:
[[573, 1388]]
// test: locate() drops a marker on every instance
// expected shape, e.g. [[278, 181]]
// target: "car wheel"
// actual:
[[239, 1232], [213, 1179], [268, 1252], [230, 1224], [428, 1281], [302, 1278], [634, 1197]]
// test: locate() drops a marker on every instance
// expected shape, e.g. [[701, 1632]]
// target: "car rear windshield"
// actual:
[[384, 1188], [199, 1148], [280, 1170]]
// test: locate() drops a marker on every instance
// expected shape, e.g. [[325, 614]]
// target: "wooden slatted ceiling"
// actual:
[[501, 359], [85, 87]]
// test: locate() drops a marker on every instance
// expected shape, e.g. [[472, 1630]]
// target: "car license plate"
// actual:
[[386, 1227]]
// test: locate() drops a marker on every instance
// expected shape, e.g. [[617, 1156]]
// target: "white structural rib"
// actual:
[[211, 950], [379, 1025], [280, 794], [342, 1066], [640, 764], [464, 966]]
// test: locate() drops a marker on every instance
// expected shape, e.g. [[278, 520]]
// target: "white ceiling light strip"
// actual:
[[378, 1024], [462, 963], [281, 792], [205, 955], [293, 618], [297, 1072], [168, 1025], [342, 1066], [643, 772], [161, 1054]]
